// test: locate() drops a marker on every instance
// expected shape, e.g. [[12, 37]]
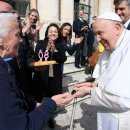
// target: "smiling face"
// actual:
[[123, 10], [52, 33], [33, 17], [107, 33], [81, 14], [66, 31]]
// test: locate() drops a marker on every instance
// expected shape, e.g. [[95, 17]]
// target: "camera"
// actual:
[[33, 26]]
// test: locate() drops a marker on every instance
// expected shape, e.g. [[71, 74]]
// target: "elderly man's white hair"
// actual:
[[5, 27]]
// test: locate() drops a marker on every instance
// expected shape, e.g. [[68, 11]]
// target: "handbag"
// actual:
[[92, 60], [87, 69]]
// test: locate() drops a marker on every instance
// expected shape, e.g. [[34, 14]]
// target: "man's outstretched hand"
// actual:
[[63, 99]]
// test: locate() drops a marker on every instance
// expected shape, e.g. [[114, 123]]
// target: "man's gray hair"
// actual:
[[119, 1], [5, 27]]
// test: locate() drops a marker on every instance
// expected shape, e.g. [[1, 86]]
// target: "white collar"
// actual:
[[119, 41], [81, 19]]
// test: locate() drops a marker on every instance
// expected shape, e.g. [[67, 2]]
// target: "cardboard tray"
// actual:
[[42, 63]]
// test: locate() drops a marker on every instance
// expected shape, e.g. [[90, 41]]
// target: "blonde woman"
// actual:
[[31, 27]]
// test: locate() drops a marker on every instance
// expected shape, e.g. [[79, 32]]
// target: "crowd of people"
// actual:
[[21, 107], [32, 84], [29, 95]]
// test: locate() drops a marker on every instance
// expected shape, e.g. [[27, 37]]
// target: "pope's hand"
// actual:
[[82, 89], [87, 84]]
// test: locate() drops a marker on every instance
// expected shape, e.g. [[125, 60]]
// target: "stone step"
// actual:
[[72, 78], [70, 68], [84, 117], [70, 59], [62, 115]]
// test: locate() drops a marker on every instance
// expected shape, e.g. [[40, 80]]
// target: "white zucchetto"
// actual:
[[110, 16]]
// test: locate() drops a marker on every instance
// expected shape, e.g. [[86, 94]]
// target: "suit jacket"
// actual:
[[13, 115], [128, 27], [77, 25]]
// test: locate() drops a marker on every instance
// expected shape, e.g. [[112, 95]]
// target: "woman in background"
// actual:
[[66, 35], [47, 80], [30, 32], [31, 27]]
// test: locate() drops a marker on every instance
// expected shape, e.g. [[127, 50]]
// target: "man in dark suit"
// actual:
[[122, 8], [80, 28]]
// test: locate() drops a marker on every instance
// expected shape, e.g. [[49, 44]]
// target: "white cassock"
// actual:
[[113, 91]]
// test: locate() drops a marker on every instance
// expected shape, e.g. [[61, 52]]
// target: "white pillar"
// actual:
[[33, 4], [67, 10], [105, 6], [48, 10]]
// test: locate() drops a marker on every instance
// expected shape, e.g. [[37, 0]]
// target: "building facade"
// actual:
[[60, 11], [66, 10], [63, 10]]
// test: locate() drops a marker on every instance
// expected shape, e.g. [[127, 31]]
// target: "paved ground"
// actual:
[[85, 117], [85, 114]]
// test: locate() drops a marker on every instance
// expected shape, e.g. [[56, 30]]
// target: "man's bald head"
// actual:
[[5, 6]]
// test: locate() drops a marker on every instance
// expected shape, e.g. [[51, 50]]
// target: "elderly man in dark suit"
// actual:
[[13, 107], [80, 28]]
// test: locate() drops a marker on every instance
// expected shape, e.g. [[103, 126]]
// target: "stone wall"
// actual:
[[60, 11]]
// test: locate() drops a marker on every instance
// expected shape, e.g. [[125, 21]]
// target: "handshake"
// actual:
[[79, 90]]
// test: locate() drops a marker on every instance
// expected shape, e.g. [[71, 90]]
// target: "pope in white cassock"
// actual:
[[111, 89]]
